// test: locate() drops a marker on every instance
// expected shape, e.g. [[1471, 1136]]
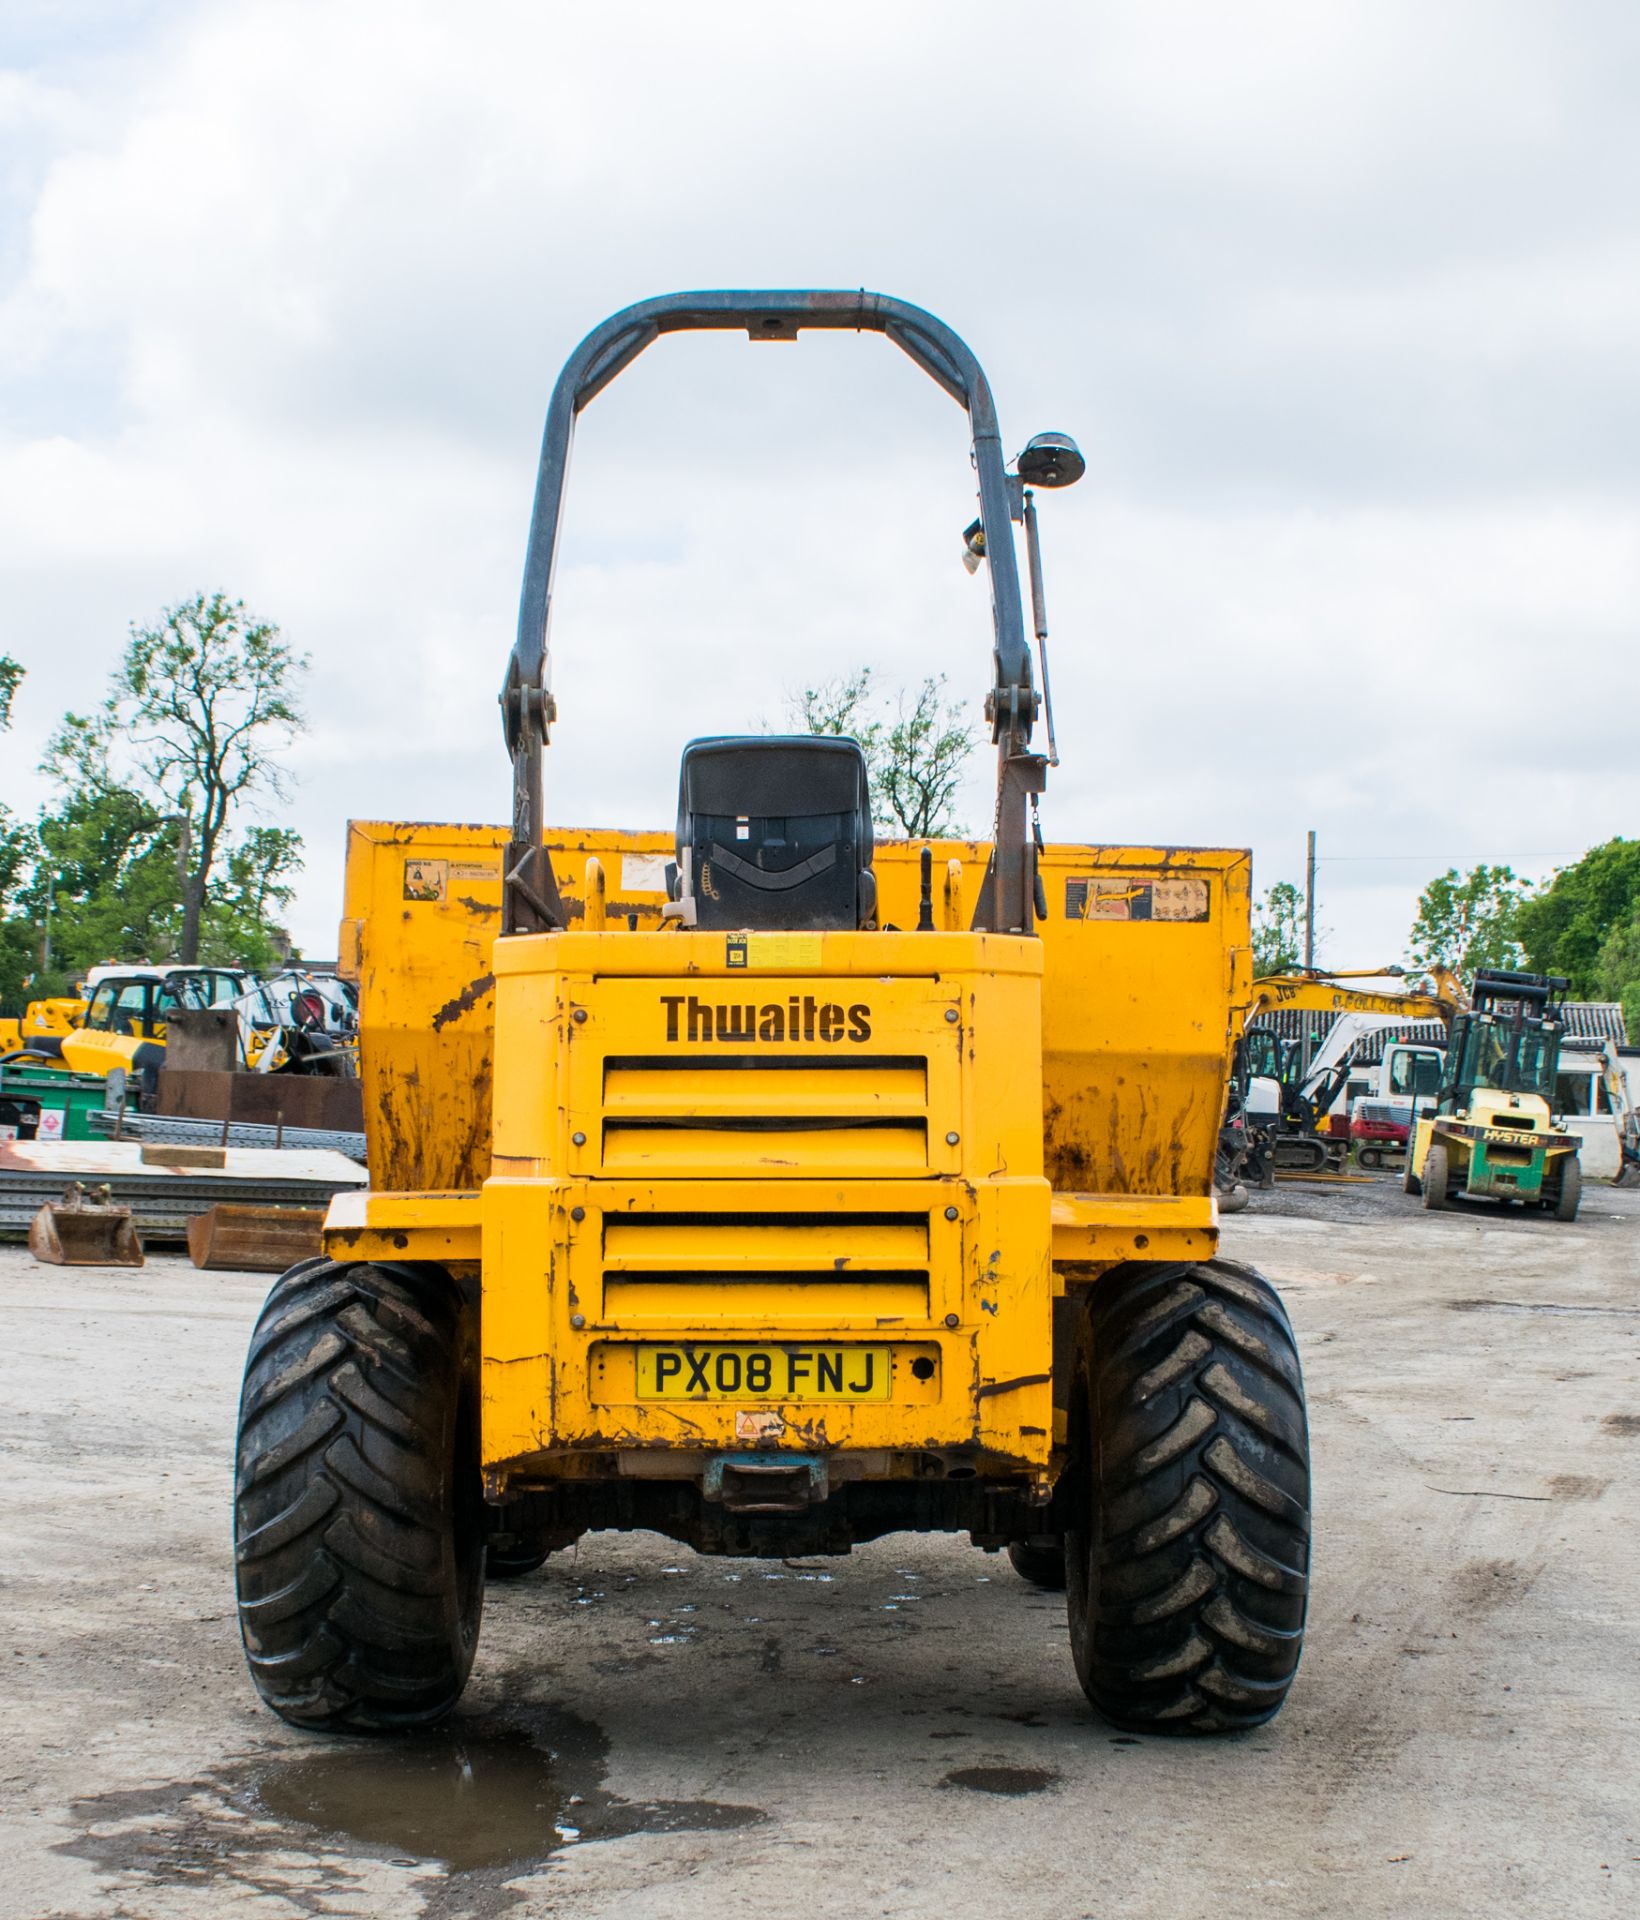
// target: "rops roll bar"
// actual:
[[1006, 902]]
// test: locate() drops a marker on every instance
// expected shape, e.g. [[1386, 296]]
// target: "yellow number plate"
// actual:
[[763, 1373]]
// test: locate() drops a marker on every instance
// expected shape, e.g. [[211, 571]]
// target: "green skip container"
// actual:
[[48, 1104]]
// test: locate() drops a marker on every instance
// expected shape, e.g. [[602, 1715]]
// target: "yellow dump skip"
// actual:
[[1147, 963]]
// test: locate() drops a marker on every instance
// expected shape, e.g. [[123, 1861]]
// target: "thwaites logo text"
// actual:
[[800, 1021]]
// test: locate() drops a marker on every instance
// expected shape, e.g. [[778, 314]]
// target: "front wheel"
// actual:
[[1571, 1189], [358, 1516], [1188, 1499], [1436, 1178]]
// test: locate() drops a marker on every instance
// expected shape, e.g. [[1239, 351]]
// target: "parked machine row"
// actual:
[[1295, 1107], [294, 1021]]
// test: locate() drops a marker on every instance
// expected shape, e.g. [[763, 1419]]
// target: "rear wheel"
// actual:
[[508, 1564], [1188, 1491], [359, 1529], [512, 1556], [1436, 1178], [1041, 1561], [1571, 1189], [1410, 1183]]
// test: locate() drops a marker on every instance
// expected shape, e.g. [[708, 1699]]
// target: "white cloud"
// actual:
[[1339, 300]]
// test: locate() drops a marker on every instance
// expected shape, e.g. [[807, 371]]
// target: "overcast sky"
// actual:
[[1341, 301]]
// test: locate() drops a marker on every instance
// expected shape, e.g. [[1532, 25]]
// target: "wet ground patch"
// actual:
[[1010, 1781], [462, 1809]]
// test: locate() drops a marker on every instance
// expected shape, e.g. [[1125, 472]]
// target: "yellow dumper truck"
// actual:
[[774, 1190]]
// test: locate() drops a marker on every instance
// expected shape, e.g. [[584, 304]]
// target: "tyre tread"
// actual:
[[353, 1609], [1198, 1541]]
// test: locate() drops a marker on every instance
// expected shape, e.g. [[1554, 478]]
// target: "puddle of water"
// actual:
[[484, 1799], [1013, 1781]]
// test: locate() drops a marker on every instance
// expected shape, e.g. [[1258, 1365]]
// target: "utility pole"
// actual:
[[1309, 904]]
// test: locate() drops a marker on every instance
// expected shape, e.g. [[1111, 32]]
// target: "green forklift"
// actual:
[[1493, 1134]]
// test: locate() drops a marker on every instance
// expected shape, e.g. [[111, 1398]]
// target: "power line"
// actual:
[[1561, 853]]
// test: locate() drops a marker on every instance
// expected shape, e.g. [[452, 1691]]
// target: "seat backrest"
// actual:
[[774, 831]]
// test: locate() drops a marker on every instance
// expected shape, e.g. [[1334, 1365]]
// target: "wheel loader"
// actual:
[[774, 1190]]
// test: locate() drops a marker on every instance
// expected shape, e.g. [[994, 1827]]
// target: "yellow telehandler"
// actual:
[[775, 1190]]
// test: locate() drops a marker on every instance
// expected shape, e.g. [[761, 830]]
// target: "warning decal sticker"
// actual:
[[1102, 898], [426, 879]]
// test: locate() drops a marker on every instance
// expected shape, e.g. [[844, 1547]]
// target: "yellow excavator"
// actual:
[[1285, 1094], [774, 1190]]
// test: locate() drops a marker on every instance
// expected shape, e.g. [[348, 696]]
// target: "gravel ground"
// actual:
[[897, 1733]]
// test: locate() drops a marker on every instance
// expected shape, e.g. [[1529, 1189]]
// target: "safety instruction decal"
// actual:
[[1100, 898], [426, 879], [788, 952]]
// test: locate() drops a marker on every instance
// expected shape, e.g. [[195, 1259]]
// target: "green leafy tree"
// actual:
[[1468, 921], [105, 883], [241, 924], [1278, 930], [17, 936], [916, 747], [1565, 927], [1617, 973], [17, 849], [11, 675], [200, 708]]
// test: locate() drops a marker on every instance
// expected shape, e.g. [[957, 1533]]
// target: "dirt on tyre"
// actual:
[[1437, 1181], [1040, 1561], [1187, 1498], [1570, 1193], [358, 1510]]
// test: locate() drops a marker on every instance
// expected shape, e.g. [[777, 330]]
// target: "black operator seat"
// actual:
[[774, 831]]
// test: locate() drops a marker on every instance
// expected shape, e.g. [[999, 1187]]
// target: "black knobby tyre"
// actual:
[[509, 1563], [358, 1512], [1570, 1192], [1042, 1562], [514, 1560], [1187, 1554]]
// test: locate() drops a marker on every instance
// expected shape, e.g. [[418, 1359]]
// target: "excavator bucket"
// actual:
[[255, 1239], [85, 1230]]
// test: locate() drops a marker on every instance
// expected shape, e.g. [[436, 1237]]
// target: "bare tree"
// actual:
[[915, 749]]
